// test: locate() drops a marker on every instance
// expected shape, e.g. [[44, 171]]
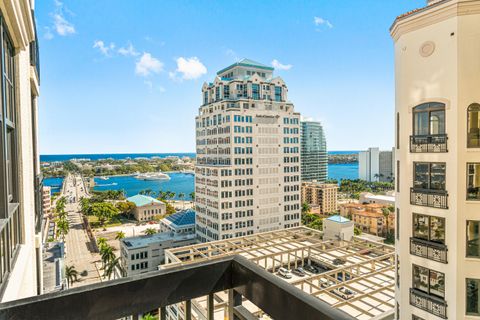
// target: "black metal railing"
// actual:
[[428, 303], [429, 198], [429, 143], [427, 249], [157, 290]]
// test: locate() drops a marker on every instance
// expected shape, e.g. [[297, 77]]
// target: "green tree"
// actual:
[[192, 195], [305, 207], [103, 211], [386, 213], [111, 266], [63, 227], [107, 255], [71, 274], [150, 231], [148, 316], [120, 235], [101, 243], [125, 207], [357, 231]]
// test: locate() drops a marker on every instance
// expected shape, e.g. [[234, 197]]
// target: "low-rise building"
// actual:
[[387, 199], [145, 253], [322, 197], [46, 200], [179, 223], [337, 228], [369, 218], [146, 208]]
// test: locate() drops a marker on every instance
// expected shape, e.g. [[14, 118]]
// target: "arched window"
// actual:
[[473, 126], [429, 119]]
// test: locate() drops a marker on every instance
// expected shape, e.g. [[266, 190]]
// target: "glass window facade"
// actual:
[[429, 228], [473, 239], [429, 119], [429, 176], [428, 281], [472, 297], [473, 126], [473, 181]]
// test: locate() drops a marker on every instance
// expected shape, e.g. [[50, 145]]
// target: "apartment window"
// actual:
[[255, 91], [429, 281], [473, 126], [226, 92], [429, 228], [473, 181], [397, 176], [472, 297], [397, 220], [473, 239], [278, 93], [430, 176], [429, 119], [398, 130]]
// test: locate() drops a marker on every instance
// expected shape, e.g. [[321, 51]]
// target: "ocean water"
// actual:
[[178, 183]]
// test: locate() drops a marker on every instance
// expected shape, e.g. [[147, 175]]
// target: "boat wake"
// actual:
[[106, 185]]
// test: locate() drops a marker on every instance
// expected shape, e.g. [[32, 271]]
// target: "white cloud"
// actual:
[[318, 21], [128, 51], [147, 65], [61, 25], [190, 68], [104, 49], [48, 35], [277, 65]]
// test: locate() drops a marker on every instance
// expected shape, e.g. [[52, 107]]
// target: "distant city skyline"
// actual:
[[136, 87]]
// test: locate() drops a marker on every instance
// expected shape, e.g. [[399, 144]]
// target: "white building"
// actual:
[[146, 253], [386, 199], [21, 183], [437, 50], [247, 176], [376, 165], [337, 228]]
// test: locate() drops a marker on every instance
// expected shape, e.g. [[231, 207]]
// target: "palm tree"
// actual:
[[120, 235], [62, 228], [181, 196], [386, 214], [111, 266], [171, 194], [192, 195], [102, 243], [71, 274], [150, 231], [107, 255], [305, 207]]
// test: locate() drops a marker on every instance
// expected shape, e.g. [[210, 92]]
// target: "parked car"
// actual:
[[299, 272], [283, 272], [324, 283], [344, 292], [338, 261], [310, 268]]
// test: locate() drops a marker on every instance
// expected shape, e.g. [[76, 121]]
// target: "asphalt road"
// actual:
[[78, 251]]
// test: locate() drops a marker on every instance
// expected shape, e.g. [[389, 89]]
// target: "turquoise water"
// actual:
[[178, 183]]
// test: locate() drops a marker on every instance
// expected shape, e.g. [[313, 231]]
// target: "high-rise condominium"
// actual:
[[248, 154], [20, 182], [376, 165], [437, 63], [313, 151]]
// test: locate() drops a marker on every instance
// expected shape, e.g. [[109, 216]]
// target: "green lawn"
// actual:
[[93, 220]]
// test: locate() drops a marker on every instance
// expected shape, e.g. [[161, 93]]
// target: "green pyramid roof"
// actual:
[[247, 63]]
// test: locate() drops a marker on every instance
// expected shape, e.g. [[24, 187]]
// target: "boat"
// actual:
[[190, 172], [103, 178], [152, 176]]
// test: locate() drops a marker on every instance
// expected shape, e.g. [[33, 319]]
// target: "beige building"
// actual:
[[369, 218], [146, 208], [322, 197], [437, 64], [21, 183], [247, 174], [46, 201]]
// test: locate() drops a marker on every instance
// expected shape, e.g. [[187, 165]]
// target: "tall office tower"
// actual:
[[20, 183], [313, 151], [437, 64], [247, 175], [376, 165]]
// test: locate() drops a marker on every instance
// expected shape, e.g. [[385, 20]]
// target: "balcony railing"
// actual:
[[428, 303], [429, 198], [429, 143], [427, 249], [157, 290]]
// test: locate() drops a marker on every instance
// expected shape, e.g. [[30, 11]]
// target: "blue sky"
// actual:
[[126, 76]]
